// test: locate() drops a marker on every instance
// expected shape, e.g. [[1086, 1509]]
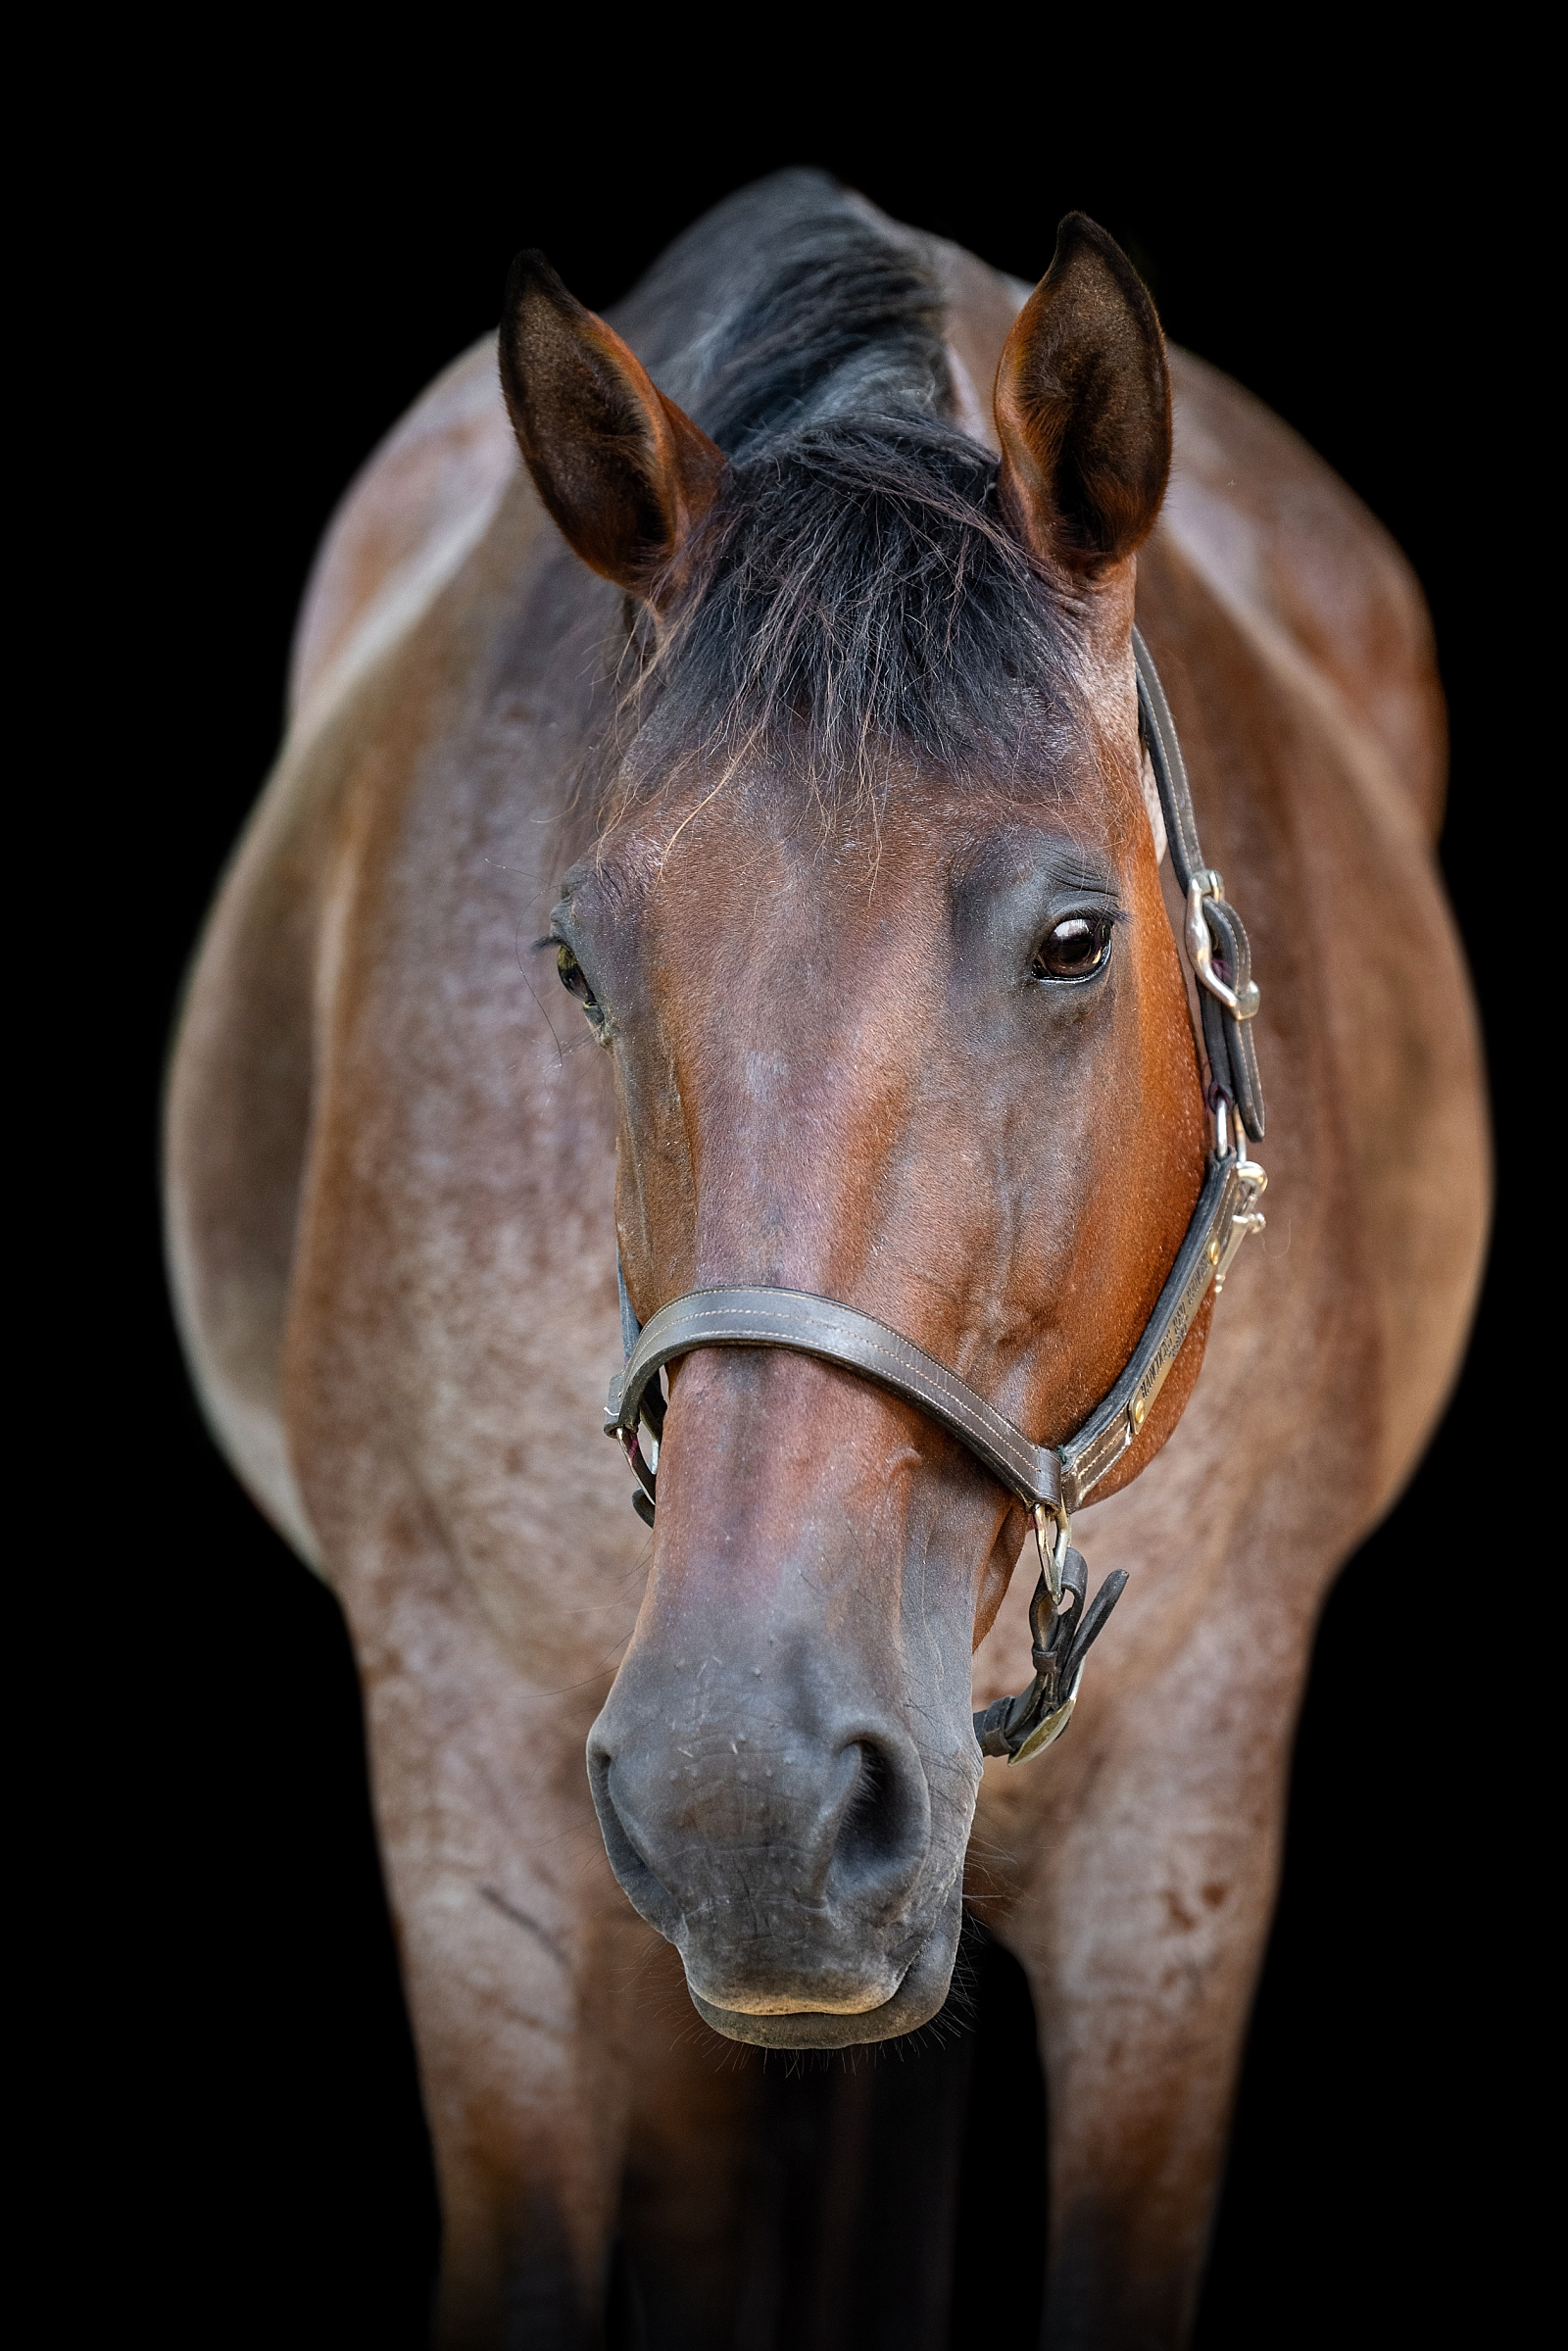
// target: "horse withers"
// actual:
[[782, 703]]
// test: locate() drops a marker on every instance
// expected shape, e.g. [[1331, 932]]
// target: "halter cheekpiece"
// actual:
[[1050, 1481]]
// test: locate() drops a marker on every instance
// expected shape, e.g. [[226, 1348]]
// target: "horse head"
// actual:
[[874, 932]]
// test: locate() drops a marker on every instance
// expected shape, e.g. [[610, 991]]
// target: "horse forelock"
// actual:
[[856, 604]]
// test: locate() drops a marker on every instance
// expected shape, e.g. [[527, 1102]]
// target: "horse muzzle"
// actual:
[[786, 1769], [793, 1863]]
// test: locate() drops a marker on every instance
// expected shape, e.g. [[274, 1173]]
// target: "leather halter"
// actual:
[[1050, 1481]]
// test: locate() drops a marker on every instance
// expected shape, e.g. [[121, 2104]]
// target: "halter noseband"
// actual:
[[1050, 1481]]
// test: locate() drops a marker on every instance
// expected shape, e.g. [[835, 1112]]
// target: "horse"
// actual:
[[767, 664]]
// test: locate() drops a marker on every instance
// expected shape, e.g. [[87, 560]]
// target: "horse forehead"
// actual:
[[754, 910], [913, 840], [746, 912], [790, 943]]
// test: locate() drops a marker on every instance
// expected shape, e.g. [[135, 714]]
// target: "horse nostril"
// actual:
[[885, 1822], [648, 1893]]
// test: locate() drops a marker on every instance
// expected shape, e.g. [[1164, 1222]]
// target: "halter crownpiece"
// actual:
[[1050, 1481]]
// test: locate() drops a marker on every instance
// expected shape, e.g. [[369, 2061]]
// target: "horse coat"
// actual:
[[391, 1180]]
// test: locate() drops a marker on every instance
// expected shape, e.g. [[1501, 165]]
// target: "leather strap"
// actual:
[[1227, 1033], [1058, 1477], [1117, 1418], [822, 1325]]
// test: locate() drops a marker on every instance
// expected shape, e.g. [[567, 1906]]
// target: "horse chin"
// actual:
[[917, 2001]]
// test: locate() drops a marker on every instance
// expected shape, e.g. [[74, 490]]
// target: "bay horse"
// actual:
[[782, 703]]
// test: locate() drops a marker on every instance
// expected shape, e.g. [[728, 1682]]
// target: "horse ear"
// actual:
[[1083, 408], [625, 474]]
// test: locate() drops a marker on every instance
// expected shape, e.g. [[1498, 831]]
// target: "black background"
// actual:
[[268, 280]]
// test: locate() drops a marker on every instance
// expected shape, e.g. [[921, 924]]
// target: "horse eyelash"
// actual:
[[1114, 915]]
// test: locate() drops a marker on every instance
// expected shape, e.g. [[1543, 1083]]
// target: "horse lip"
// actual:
[[872, 2001], [921, 1991]]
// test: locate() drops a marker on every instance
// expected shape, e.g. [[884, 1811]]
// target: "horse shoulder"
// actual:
[[1320, 603], [403, 527], [242, 1077], [1377, 1146], [1293, 551], [236, 1121]]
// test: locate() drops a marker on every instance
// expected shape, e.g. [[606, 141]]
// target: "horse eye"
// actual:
[[572, 977], [1073, 948]]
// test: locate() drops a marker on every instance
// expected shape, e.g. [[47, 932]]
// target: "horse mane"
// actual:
[[855, 596], [790, 299]]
